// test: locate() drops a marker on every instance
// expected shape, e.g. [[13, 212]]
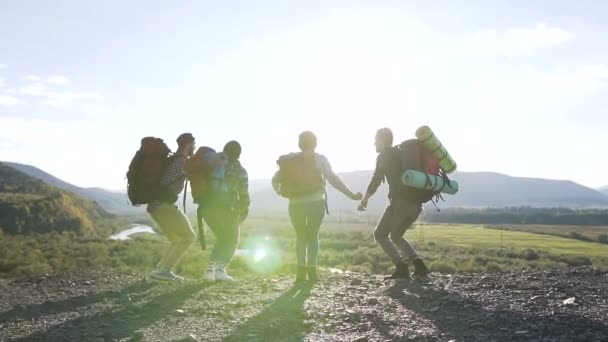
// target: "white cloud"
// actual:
[[55, 98], [57, 80], [1, 82], [516, 41], [2, 66], [580, 82], [6, 100], [22, 140], [34, 78]]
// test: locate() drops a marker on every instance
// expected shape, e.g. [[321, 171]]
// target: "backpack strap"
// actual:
[[185, 195], [201, 228]]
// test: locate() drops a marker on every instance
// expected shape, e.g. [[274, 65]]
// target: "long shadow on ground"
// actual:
[[467, 319], [283, 320], [34, 311], [121, 323]]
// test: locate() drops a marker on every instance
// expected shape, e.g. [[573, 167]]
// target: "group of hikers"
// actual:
[[219, 186]]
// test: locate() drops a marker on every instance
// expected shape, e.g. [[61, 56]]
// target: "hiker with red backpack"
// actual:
[[219, 186], [156, 178], [405, 203], [301, 178]]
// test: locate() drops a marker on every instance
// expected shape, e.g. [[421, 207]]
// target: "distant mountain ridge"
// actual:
[[113, 202], [603, 189], [30, 205], [477, 189]]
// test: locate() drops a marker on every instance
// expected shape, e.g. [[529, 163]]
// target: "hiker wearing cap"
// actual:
[[301, 178], [166, 214], [225, 213], [400, 214]]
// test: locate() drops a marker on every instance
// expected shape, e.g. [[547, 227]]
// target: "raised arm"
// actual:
[[335, 180]]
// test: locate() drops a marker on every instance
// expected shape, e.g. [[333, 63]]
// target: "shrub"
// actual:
[[442, 267]]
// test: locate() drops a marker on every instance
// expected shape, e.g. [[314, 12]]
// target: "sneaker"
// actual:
[[401, 272], [420, 270], [221, 274], [210, 273], [164, 275], [313, 277]]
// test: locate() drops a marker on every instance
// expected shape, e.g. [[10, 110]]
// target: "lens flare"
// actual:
[[259, 255], [262, 254]]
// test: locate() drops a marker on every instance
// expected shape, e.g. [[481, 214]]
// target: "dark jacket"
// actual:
[[387, 168]]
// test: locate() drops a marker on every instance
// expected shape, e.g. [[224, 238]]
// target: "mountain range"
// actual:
[[477, 190], [113, 202], [29, 205]]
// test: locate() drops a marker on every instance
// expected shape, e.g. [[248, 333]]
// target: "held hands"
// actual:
[[356, 197], [362, 205]]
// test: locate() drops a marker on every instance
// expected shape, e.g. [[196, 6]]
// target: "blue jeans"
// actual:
[[306, 218]]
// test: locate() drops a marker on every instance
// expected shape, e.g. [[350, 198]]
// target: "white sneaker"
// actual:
[[210, 273], [221, 274]]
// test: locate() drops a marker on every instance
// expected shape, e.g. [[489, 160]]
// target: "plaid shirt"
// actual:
[[175, 176], [173, 179], [237, 181]]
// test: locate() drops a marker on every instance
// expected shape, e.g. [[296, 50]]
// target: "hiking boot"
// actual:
[[301, 275], [165, 275], [313, 277], [221, 274], [401, 272], [210, 273], [420, 270]]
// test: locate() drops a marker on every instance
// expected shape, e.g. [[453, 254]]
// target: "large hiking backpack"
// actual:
[[300, 175], [206, 169], [146, 170], [413, 155]]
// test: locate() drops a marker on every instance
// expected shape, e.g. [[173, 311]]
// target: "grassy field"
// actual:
[[585, 233], [267, 247]]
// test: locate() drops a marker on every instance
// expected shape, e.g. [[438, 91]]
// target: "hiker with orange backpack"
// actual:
[[405, 203], [219, 186], [301, 178], [156, 178]]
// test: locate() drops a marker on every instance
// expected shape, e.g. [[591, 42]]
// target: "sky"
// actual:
[[518, 87]]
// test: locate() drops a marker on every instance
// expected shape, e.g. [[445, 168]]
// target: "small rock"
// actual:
[[356, 282], [361, 339], [373, 301], [535, 297], [435, 309], [180, 311], [570, 301], [476, 324], [521, 332], [87, 282], [189, 338], [138, 335]]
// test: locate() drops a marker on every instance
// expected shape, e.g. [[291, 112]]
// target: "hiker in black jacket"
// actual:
[[400, 214]]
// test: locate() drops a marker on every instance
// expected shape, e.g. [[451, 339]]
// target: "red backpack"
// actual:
[[146, 170], [414, 156], [300, 175]]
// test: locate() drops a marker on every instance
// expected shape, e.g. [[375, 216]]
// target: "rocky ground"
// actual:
[[548, 305]]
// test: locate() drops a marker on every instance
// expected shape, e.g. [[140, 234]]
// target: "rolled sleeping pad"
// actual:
[[431, 143], [421, 180]]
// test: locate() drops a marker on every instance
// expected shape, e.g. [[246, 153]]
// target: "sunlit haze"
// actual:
[[514, 87]]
